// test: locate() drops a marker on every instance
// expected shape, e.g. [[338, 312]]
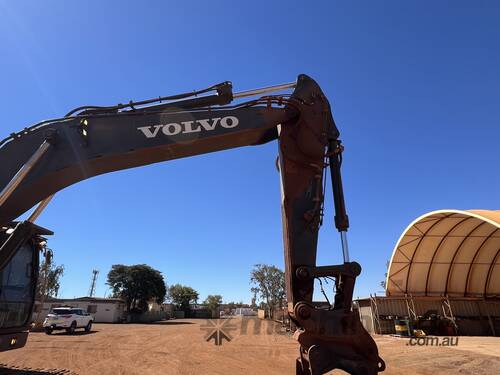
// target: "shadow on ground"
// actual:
[[77, 333], [13, 370], [168, 323]]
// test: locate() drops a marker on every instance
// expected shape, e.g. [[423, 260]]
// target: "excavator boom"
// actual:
[[91, 140]]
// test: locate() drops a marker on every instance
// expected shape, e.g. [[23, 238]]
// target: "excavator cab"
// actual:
[[20, 245]]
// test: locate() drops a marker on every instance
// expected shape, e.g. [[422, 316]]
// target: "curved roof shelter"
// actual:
[[448, 253]]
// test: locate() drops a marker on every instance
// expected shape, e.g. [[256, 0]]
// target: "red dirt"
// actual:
[[179, 347]]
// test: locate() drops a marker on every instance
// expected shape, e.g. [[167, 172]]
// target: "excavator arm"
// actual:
[[45, 158]]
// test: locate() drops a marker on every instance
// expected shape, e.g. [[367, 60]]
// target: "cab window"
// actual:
[[17, 287]]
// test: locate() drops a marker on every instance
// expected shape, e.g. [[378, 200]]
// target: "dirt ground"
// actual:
[[180, 347]]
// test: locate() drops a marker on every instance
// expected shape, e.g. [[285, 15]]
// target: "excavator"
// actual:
[[42, 159]]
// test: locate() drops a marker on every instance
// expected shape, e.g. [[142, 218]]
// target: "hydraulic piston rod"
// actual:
[[22, 173], [264, 90], [345, 246], [341, 219], [39, 209]]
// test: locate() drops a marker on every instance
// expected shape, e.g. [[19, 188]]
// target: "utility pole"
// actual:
[[93, 283]]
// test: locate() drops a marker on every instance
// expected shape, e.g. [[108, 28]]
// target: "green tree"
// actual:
[[182, 296], [269, 284], [213, 301], [137, 285], [49, 277]]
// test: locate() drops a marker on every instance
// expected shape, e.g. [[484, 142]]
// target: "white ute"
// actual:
[[68, 318]]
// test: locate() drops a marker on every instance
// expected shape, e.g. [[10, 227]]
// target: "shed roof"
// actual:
[[85, 299], [448, 253]]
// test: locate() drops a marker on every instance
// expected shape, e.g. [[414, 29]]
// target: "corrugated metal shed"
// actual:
[[472, 316], [461, 307], [450, 253]]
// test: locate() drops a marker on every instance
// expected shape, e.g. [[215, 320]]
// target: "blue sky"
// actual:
[[414, 88]]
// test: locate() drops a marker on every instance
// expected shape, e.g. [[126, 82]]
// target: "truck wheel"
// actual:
[[88, 327], [71, 328], [48, 330]]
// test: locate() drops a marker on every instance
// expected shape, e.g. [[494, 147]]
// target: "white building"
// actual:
[[104, 310], [244, 311]]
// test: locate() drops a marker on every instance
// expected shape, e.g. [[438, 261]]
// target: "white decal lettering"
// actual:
[[205, 123], [188, 127], [146, 130], [233, 122], [172, 129]]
